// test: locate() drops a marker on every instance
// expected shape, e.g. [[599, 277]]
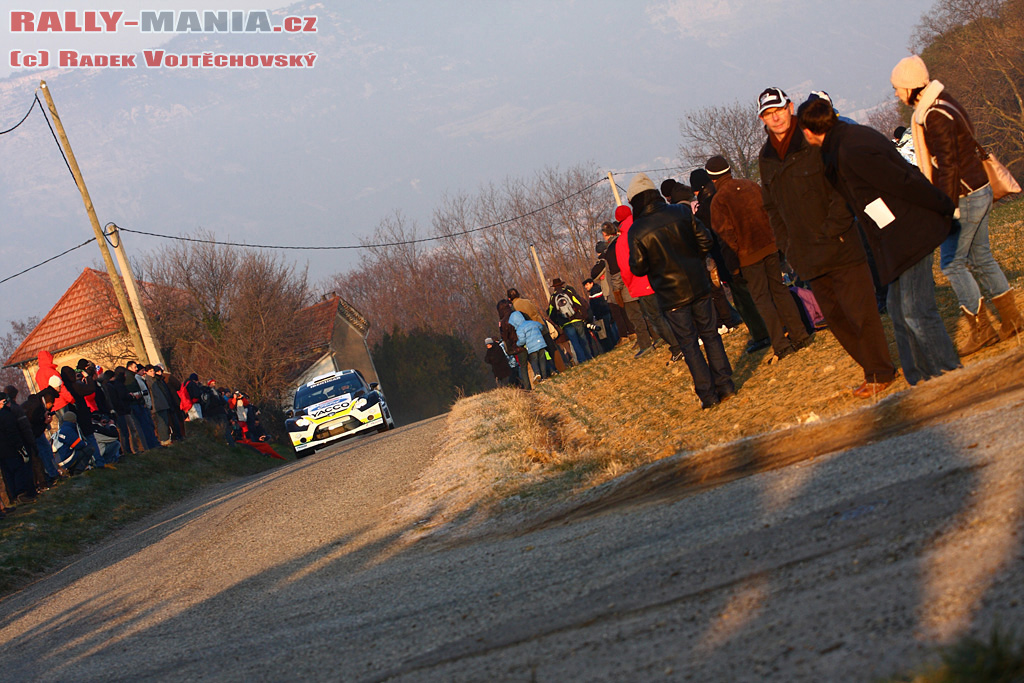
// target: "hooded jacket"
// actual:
[[528, 332], [638, 285], [669, 246], [48, 369], [865, 167]]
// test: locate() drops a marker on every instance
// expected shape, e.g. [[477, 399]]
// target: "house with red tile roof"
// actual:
[[85, 323]]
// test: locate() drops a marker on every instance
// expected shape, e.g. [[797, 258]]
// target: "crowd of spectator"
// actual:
[[87, 418], [841, 229]]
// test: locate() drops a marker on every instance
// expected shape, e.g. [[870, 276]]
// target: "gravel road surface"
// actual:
[[845, 568]]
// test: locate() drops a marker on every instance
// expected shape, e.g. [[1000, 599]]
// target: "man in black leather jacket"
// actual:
[[669, 246]]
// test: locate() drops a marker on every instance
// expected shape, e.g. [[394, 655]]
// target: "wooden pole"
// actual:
[[615, 189], [540, 273], [115, 281], [133, 296]]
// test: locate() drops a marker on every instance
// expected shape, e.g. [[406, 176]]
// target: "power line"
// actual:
[[382, 245], [52, 258], [182, 238], [55, 140], [33, 105]]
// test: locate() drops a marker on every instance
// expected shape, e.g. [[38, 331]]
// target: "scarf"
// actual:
[[782, 146], [927, 98]]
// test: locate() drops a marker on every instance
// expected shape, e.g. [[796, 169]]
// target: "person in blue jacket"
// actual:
[[531, 338]]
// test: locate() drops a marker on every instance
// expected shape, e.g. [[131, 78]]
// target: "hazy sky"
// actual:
[[406, 101]]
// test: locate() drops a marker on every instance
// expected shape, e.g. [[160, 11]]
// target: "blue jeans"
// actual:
[[97, 454], [577, 335], [141, 414], [924, 346], [46, 456], [969, 248], [712, 377], [111, 451], [611, 333]]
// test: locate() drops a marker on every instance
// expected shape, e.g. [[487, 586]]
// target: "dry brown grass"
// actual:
[[610, 416]]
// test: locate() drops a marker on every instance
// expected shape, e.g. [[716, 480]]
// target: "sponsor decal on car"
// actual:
[[328, 408]]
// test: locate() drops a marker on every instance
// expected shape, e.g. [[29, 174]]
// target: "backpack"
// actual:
[[184, 400], [206, 398], [565, 306]]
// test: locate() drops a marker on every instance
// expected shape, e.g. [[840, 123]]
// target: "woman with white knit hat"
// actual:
[[947, 154]]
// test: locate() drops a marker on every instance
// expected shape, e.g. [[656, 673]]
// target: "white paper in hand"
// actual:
[[879, 213]]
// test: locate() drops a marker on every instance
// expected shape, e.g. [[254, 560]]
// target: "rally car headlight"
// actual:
[[298, 425]]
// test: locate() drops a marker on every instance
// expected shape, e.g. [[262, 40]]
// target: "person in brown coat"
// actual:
[[737, 212]]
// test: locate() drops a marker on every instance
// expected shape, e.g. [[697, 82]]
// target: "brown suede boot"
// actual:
[[1009, 314], [981, 332]]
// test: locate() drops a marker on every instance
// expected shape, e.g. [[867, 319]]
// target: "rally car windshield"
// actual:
[[307, 396]]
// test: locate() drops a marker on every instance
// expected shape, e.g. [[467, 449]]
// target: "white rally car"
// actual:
[[335, 406]]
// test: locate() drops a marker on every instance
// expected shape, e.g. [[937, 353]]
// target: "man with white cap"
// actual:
[[948, 155], [669, 246], [815, 230]]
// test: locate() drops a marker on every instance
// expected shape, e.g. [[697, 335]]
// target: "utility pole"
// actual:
[[615, 189], [115, 281], [133, 295], [540, 273]]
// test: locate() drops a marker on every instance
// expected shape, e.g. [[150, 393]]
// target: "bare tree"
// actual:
[[450, 285], [888, 116], [974, 48], [733, 130], [228, 313], [9, 343]]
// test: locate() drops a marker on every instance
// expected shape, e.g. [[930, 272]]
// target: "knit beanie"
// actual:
[[910, 73], [622, 212], [698, 179], [717, 166], [667, 186], [639, 183]]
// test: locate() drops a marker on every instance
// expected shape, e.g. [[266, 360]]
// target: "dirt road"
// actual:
[[844, 568]]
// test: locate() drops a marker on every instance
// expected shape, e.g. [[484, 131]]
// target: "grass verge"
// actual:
[[999, 659], [616, 414], [36, 538]]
